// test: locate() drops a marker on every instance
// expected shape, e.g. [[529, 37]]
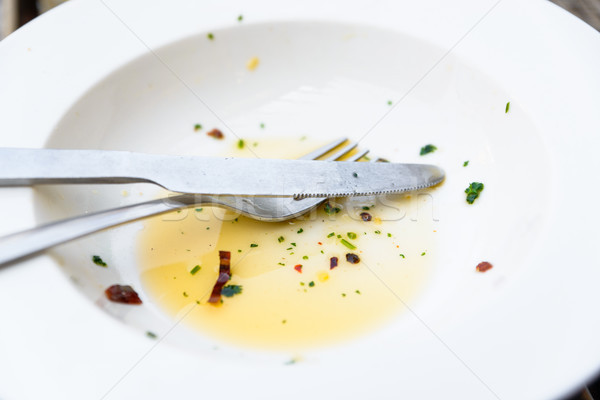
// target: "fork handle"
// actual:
[[26, 167], [22, 244]]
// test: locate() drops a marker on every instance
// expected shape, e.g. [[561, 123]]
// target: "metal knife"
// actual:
[[214, 176]]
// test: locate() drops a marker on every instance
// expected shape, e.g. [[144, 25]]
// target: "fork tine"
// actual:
[[342, 152], [321, 151], [358, 155]]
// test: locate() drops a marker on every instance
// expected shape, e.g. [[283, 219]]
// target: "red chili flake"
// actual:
[[224, 276], [352, 258], [122, 294], [298, 268], [333, 262], [484, 266], [215, 133], [365, 216], [320, 244]]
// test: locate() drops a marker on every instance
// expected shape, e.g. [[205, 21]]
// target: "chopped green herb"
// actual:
[[305, 257], [262, 126], [348, 244], [322, 252], [366, 208], [231, 290], [343, 294], [402, 255], [429, 148], [290, 248], [293, 244], [339, 236], [389, 102], [351, 235], [195, 269], [354, 174], [466, 163], [422, 254], [378, 232], [98, 261], [473, 191], [311, 283], [199, 209], [151, 335], [507, 108], [284, 321], [208, 228], [254, 144], [239, 250], [241, 18], [329, 209], [210, 36], [280, 239], [389, 235], [185, 294], [331, 234], [253, 245], [281, 264], [241, 144], [301, 283], [300, 230], [357, 291], [197, 127]]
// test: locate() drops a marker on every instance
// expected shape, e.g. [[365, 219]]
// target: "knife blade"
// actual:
[[212, 175]]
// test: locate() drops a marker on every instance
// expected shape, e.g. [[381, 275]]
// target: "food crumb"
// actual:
[[98, 261], [252, 63], [215, 133], [484, 266], [122, 294]]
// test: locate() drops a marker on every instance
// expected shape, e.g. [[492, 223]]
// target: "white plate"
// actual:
[[83, 73]]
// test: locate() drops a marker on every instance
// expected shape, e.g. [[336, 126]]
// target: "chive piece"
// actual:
[[311, 283], [357, 291], [378, 232], [402, 255], [507, 108], [301, 283], [473, 191], [231, 290], [348, 244], [199, 209], [354, 174], [300, 230], [280, 239], [262, 125], [239, 250], [98, 261], [329, 209], [151, 335], [331, 234], [351, 235], [422, 254], [322, 252], [466, 163], [284, 321], [241, 144], [197, 127], [389, 235], [293, 244], [253, 245], [241, 18], [429, 148], [185, 294], [210, 36], [389, 102], [195, 269], [305, 257], [281, 264], [366, 208], [343, 294], [290, 248]]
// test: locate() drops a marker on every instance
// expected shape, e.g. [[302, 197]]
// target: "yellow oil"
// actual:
[[279, 308]]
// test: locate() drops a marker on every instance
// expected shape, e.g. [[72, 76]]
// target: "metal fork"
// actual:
[[32, 241]]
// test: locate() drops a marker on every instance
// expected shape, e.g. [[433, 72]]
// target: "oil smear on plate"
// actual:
[[284, 293]]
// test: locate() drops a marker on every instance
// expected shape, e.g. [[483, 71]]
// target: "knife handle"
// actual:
[[26, 167]]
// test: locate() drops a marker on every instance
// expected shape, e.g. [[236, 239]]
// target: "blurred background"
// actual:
[[15, 13]]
